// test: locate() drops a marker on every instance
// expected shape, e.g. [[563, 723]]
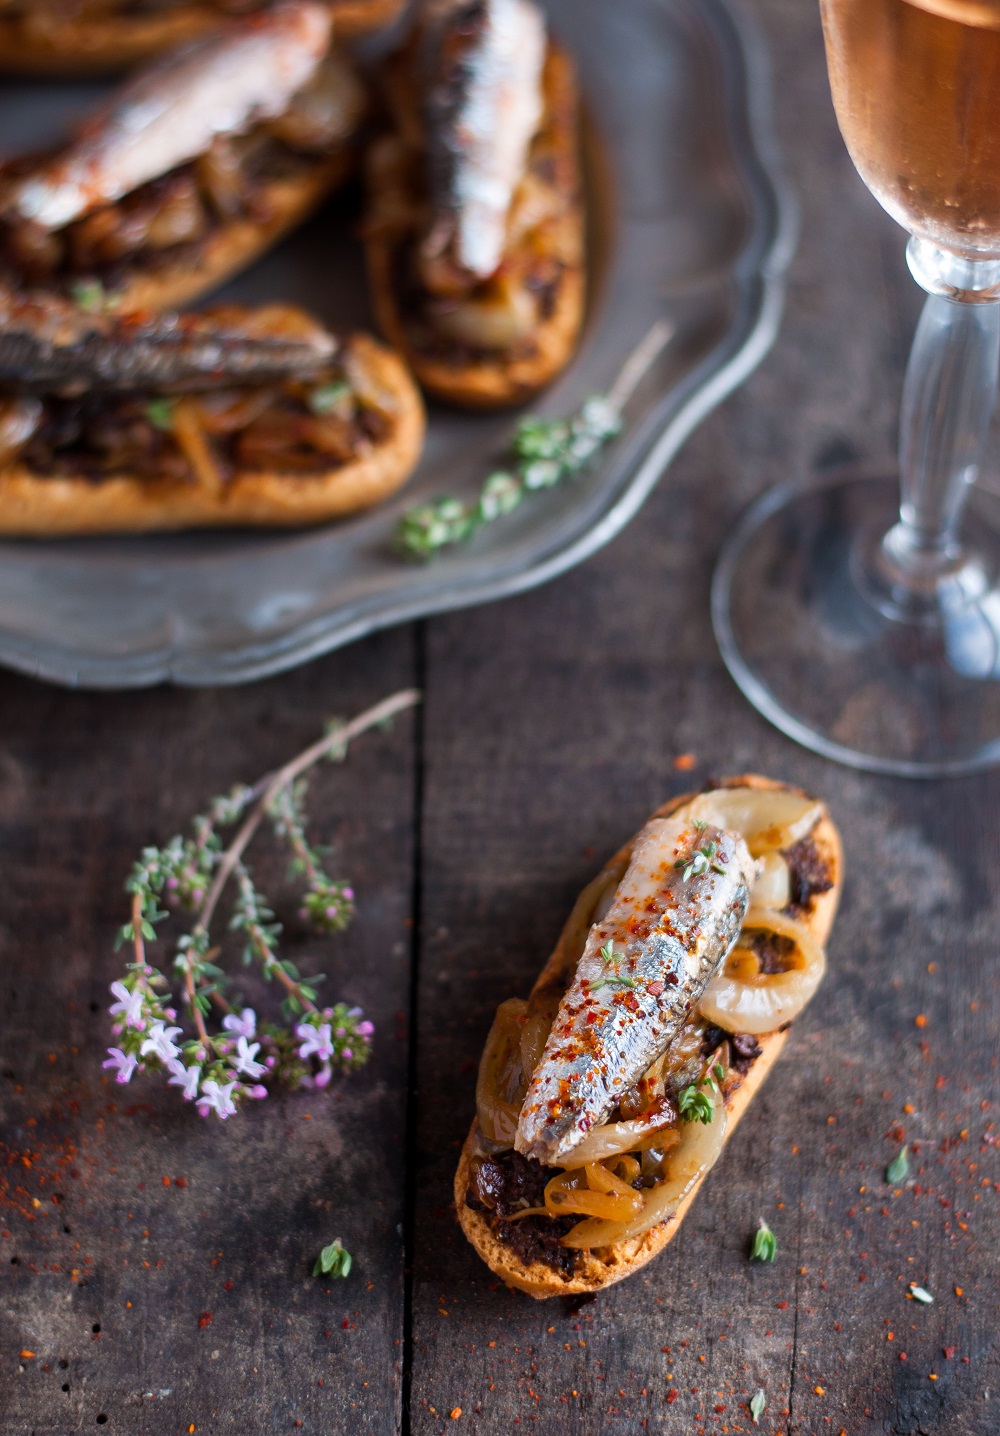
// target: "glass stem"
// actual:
[[948, 401]]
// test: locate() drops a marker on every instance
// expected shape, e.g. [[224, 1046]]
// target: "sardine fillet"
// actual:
[[668, 931]]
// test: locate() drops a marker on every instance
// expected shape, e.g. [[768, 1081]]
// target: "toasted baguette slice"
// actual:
[[103, 44], [40, 506], [603, 1266], [483, 378]]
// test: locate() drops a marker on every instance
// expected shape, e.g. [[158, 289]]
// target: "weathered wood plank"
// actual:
[[552, 726], [158, 1267]]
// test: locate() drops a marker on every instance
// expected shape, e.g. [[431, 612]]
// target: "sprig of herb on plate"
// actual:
[[219, 1071], [757, 1406], [543, 453]]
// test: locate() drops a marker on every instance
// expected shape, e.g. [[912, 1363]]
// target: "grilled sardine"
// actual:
[[172, 111], [675, 917], [484, 103]]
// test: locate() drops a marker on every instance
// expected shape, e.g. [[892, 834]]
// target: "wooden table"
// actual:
[[156, 1268]]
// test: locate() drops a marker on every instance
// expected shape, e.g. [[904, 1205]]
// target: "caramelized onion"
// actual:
[[697, 1151], [773, 888], [19, 419], [193, 444], [768, 818], [569, 1194], [616, 1138], [740, 999], [500, 1086], [504, 314]]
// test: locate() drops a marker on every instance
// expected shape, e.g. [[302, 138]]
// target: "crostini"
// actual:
[[475, 226], [231, 418], [77, 38], [190, 171], [605, 1099]]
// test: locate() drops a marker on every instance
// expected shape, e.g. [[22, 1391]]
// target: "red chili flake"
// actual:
[[166, 1181], [205, 1320], [655, 988], [672, 978], [902, 1356], [782, 1305], [672, 1395], [684, 762], [947, 1352], [344, 1324], [180, 1181], [719, 1408], [227, 1285]]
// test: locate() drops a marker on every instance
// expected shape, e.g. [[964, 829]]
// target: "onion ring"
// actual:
[[757, 1002]]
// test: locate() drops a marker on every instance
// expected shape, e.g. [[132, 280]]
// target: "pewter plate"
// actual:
[[691, 223]]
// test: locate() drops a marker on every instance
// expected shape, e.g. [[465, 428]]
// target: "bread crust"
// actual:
[[74, 49], [38, 507], [602, 1267], [496, 382]]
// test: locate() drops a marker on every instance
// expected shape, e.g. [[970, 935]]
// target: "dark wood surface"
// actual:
[[551, 728]]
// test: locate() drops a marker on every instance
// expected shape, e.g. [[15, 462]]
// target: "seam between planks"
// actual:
[[416, 914]]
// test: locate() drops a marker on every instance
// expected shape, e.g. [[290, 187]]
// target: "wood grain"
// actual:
[[155, 1303]]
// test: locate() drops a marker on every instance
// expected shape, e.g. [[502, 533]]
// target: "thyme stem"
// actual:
[[270, 787]]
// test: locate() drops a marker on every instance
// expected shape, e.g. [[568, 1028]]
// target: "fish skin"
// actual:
[[670, 936], [172, 110], [484, 103], [48, 346]]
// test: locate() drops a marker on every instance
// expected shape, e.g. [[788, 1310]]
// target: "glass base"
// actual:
[[815, 629]]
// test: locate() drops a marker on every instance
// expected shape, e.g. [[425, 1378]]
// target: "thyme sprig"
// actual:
[[543, 453], [703, 860], [218, 1071]]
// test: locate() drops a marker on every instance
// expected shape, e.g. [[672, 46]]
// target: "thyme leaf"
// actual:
[[695, 1105], [897, 1169], [757, 1405], [765, 1243], [334, 1260]]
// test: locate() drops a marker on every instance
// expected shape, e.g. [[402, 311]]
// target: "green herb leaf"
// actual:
[[160, 413], [608, 953], [699, 825], [334, 1260], [612, 981], [897, 1169], [757, 1404], [765, 1243], [325, 398], [719, 1071], [695, 1105], [920, 1293], [89, 295]]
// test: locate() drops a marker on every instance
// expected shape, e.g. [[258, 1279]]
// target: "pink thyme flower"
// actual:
[[365, 1029], [160, 1043], [186, 1078], [245, 1025], [315, 1041], [244, 1063], [129, 1004], [124, 1064], [219, 1100]]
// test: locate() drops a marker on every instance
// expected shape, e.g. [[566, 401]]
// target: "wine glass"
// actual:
[[860, 612]]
